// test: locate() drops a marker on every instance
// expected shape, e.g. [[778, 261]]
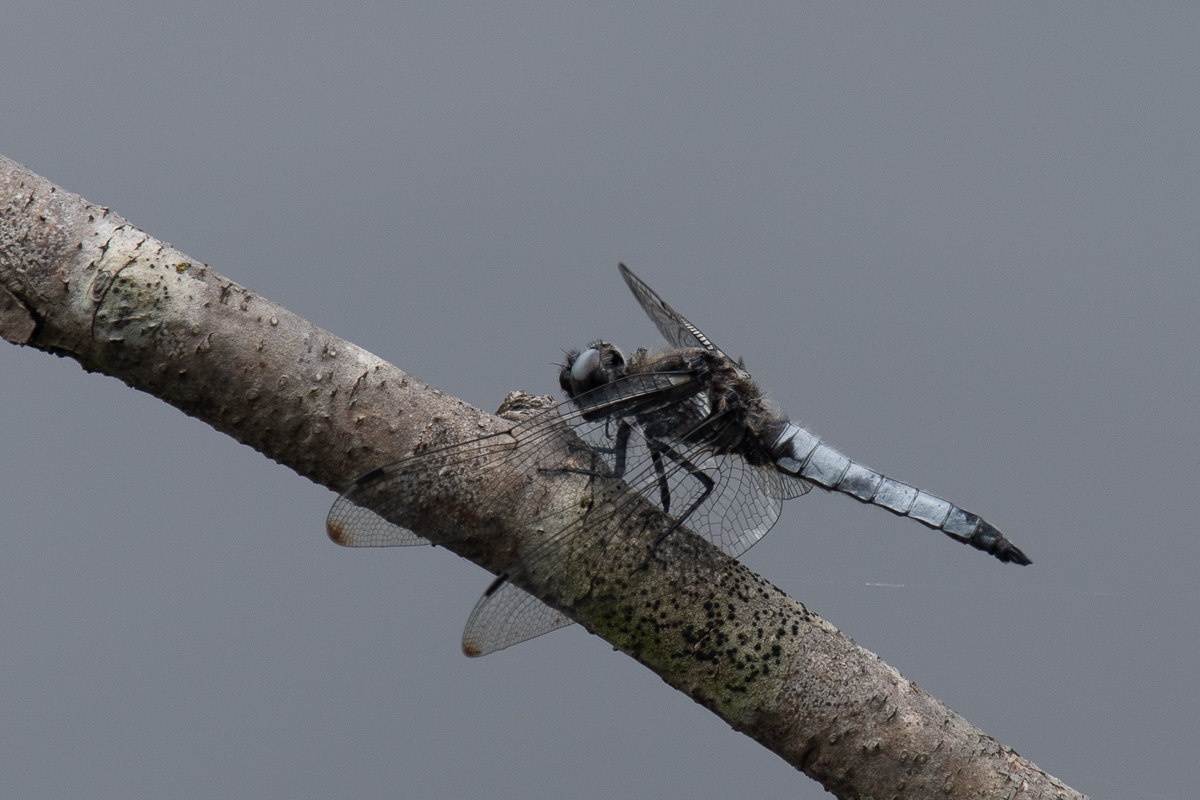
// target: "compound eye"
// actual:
[[587, 372], [585, 369]]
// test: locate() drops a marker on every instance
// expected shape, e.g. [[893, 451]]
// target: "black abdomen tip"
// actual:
[[990, 540]]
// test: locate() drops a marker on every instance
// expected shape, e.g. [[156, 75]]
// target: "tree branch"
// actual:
[[77, 280]]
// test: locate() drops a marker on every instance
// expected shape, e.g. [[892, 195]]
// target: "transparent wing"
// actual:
[[506, 615], [723, 498], [670, 323], [374, 510], [728, 501], [787, 486], [361, 517], [353, 526]]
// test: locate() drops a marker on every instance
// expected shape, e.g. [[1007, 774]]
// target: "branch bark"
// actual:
[[77, 280]]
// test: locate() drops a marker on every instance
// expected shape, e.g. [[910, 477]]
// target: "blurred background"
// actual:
[[958, 242]]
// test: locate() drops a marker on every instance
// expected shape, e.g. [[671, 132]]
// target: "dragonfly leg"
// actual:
[[700, 475], [664, 491], [619, 450]]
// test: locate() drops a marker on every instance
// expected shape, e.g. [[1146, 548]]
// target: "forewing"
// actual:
[[372, 511], [670, 323], [741, 507]]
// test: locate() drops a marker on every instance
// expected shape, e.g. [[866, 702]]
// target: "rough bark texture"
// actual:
[[79, 281]]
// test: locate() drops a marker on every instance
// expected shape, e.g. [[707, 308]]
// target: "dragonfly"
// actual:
[[684, 429]]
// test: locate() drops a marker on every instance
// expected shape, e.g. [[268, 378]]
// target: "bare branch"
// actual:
[[79, 281]]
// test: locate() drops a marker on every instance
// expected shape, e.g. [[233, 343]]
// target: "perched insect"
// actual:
[[685, 429]]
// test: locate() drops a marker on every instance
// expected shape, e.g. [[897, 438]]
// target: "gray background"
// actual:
[[958, 241]]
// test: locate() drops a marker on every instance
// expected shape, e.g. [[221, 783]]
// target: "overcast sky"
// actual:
[[959, 241]]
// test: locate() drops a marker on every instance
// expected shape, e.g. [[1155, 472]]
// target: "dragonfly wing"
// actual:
[[784, 485], [733, 505], [670, 323], [351, 525], [740, 507], [506, 615], [374, 510], [721, 497]]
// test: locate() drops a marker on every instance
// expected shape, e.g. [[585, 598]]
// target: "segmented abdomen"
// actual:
[[800, 453]]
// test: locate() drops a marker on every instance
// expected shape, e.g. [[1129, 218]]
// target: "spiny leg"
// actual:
[[619, 451], [696, 472]]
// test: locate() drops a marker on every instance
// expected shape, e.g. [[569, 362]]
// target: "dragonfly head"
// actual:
[[599, 364]]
